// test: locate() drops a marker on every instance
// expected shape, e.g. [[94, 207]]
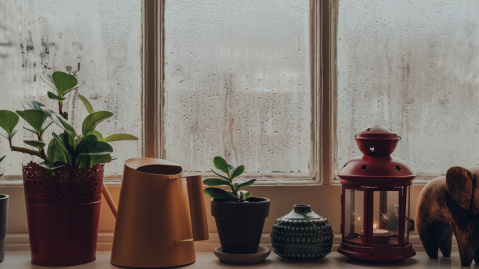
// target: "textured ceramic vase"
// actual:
[[302, 235]]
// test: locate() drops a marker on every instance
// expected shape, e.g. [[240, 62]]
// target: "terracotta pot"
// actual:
[[3, 223], [63, 209], [240, 225]]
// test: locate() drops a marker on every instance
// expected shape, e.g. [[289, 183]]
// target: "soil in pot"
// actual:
[[240, 224], [63, 210]]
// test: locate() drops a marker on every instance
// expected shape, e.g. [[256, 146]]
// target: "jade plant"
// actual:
[[230, 173], [68, 147]]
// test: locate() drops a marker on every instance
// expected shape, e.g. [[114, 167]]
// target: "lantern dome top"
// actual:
[[377, 131], [376, 167]]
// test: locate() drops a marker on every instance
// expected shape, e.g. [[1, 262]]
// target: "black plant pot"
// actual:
[[240, 225], [3, 223]]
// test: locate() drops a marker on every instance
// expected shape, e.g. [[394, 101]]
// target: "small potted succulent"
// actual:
[[239, 216], [3, 220], [63, 191]]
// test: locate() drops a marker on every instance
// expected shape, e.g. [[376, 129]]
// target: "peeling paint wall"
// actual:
[[97, 41], [412, 66], [238, 84]]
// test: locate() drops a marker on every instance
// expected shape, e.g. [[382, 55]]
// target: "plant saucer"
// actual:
[[234, 258]]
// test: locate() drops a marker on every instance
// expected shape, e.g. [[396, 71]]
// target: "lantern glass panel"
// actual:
[[406, 225], [386, 217], [353, 215]]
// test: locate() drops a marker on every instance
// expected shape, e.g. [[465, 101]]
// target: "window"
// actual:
[[100, 42], [237, 84], [411, 66], [239, 81]]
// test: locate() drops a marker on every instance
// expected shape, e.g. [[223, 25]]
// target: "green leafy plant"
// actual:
[[227, 180], [82, 150]]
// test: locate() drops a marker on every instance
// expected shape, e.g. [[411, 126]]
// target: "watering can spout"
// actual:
[[109, 200]]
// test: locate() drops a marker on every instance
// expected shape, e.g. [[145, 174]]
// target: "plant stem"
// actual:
[[60, 110], [28, 151]]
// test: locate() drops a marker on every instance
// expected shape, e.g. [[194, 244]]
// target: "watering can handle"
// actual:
[[197, 208]]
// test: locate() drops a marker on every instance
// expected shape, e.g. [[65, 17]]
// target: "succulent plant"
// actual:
[[230, 173], [82, 150]]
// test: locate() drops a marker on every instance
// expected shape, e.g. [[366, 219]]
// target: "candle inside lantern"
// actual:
[[379, 232]]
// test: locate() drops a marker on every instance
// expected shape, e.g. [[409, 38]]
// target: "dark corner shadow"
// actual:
[[405, 263]]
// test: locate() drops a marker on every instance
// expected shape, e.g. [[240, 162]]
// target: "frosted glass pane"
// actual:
[[237, 82], [98, 41], [412, 66]]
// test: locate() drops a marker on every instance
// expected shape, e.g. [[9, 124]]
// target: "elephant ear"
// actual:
[[459, 184]]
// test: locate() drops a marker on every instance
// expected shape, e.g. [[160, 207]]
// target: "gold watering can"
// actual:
[[158, 216]]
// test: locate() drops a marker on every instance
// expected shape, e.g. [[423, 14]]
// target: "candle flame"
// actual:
[[359, 218], [374, 226]]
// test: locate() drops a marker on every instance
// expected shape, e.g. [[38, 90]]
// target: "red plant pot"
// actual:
[[63, 209]]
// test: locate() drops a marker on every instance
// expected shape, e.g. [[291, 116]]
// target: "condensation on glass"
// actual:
[[237, 82], [414, 67], [97, 41]]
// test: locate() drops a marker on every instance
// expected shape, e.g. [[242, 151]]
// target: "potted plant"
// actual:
[[63, 192], [239, 216], [3, 220]]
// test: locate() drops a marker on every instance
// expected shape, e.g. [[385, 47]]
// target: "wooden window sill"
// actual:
[[21, 260]]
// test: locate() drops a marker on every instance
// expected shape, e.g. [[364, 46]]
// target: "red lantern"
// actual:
[[375, 200]]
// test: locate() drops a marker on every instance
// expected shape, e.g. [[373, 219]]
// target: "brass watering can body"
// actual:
[[157, 220]]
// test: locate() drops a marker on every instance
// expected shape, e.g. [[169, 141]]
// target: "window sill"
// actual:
[[21, 260]]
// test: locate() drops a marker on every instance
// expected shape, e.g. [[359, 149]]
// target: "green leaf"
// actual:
[[61, 122], [34, 143], [219, 174], [92, 120], [221, 164], [29, 128], [84, 161], [243, 195], [61, 143], [64, 82], [8, 121], [97, 148], [216, 182], [119, 137], [247, 183], [87, 140], [238, 171], [86, 103], [54, 96], [56, 165], [219, 193], [100, 159], [1, 159], [98, 135], [46, 125], [55, 154], [48, 80], [34, 117], [32, 104]]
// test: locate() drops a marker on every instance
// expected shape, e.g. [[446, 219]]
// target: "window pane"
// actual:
[[238, 84], [412, 66], [97, 41]]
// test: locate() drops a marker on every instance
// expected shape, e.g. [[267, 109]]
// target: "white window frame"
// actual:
[[322, 24]]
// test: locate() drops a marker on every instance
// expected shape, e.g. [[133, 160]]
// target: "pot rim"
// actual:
[[263, 201], [4, 196]]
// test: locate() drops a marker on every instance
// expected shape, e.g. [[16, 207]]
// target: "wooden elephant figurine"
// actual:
[[447, 205]]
